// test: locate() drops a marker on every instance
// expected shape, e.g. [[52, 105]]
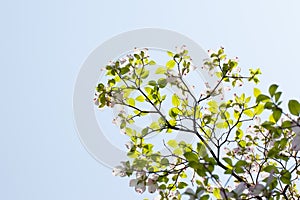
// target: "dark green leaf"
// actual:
[[190, 156], [272, 89], [261, 97], [277, 114], [285, 176], [294, 107]]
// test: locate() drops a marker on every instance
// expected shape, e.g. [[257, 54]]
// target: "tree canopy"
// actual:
[[247, 144]]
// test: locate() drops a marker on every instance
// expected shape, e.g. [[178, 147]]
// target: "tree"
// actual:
[[247, 145]]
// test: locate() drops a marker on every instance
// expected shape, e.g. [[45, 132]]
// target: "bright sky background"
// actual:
[[44, 43]]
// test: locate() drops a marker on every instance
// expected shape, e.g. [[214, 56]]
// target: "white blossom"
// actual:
[[257, 189], [237, 108], [295, 128], [240, 188], [129, 145], [140, 174], [257, 121], [239, 83], [152, 185], [173, 195], [296, 143], [119, 171]]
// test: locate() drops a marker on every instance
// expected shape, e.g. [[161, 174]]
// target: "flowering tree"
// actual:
[[247, 146]]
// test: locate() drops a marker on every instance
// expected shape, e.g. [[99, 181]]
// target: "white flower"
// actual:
[[180, 50], [240, 188], [207, 85], [239, 83], [173, 195], [247, 158], [171, 79], [129, 145], [250, 149], [254, 167], [206, 112], [237, 150], [257, 189], [122, 60], [118, 96], [152, 187], [140, 188], [138, 184], [270, 178], [119, 171], [227, 88], [296, 143], [257, 121], [236, 108], [237, 70], [140, 174], [295, 128], [226, 195], [97, 102], [251, 129], [226, 150]]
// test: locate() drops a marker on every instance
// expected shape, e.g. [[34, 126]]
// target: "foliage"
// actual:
[[247, 146]]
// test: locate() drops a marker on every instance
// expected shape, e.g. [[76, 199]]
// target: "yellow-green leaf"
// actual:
[[140, 98], [170, 64], [256, 92], [175, 100], [161, 70]]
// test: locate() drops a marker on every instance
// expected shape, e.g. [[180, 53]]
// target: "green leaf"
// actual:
[[242, 143], [145, 74], [285, 176], [277, 114], [249, 113], [131, 102], [170, 64], [173, 112], [182, 185], [256, 92], [272, 89], [261, 97], [111, 82], [201, 149], [175, 100], [240, 163], [259, 109], [294, 107], [286, 124], [170, 53], [154, 125], [145, 131], [239, 133], [172, 143], [152, 62], [228, 161], [178, 152], [137, 56], [270, 168], [140, 98], [205, 197], [124, 70], [162, 82], [152, 83], [161, 70], [190, 156], [216, 193], [277, 96], [164, 162]]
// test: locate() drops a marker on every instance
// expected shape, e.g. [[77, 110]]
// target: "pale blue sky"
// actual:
[[44, 43]]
